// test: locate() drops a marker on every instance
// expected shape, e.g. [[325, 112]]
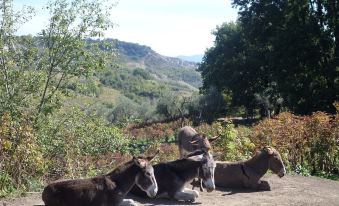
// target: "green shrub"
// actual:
[[20, 155], [233, 144], [6, 184], [72, 141]]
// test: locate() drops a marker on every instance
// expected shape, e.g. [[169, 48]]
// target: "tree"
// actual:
[[64, 50], [17, 83], [33, 69], [285, 47]]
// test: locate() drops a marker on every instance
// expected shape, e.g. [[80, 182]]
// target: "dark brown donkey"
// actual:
[[172, 176], [247, 174], [105, 190]]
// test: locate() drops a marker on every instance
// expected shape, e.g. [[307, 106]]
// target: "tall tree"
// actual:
[[16, 83], [288, 48]]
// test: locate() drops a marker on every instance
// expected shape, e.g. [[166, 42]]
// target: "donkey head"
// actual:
[[206, 170], [200, 141], [145, 179], [275, 162]]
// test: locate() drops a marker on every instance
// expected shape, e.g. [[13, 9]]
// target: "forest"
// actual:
[[73, 104]]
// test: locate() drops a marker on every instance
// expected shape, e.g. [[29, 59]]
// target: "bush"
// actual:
[[72, 141], [233, 144], [20, 155], [307, 142], [6, 184]]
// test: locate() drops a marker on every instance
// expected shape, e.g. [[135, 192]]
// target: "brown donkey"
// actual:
[[189, 141], [172, 176], [247, 174], [105, 190]]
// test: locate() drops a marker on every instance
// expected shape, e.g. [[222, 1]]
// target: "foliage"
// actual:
[[16, 82], [33, 69], [161, 131], [233, 143], [172, 105], [307, 143], [70, 138], [20, 154], [207, 107], [6, 184], [64, 52], [136, 84], [277, 50]]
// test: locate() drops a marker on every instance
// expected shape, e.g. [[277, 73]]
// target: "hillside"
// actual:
[[135, 82], [162, 67]]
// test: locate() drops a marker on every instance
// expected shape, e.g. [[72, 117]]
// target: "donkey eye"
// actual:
[[148, 174]]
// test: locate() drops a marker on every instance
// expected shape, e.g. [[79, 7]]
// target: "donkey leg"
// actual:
[[194, 192], [128, 202], [264, 185], [184, 196]]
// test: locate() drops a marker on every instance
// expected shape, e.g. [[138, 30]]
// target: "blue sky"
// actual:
[[170, 27]]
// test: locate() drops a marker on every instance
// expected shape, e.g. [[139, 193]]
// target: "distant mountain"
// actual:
[[193, 58], [163, 67]]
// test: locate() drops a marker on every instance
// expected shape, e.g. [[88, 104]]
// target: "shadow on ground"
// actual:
[[160, 201]]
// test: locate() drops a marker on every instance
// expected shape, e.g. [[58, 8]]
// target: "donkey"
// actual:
[[105, 190], [189, 140], [247, 174], [172, 176]]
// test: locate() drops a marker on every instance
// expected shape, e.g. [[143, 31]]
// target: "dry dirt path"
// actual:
[[289, 190]]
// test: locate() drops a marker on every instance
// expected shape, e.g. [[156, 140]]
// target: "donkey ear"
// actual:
[[150, 158], [268, 150], [257, 151], [140, 162], [213, 138], [194, 142]]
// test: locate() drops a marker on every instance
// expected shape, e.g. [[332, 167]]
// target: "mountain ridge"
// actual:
[[163, 67]]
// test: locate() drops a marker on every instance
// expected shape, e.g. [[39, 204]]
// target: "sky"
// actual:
[[170, 27]]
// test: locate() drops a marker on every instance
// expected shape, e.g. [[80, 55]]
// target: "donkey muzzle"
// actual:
[[282, 172], [209, 185], [152, 192]]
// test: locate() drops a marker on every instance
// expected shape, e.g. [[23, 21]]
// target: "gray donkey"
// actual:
[[172, 176], [188, 141], [247, 174]]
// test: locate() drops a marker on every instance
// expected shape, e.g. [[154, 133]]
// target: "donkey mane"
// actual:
[[183, 165], [259, 162], [120, 169]]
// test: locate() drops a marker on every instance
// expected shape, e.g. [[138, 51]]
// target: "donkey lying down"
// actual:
[[172, 176], [247, 174], [189, 141], [106, 190]]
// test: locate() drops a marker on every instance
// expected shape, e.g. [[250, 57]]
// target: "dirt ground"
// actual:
[[289, 190]]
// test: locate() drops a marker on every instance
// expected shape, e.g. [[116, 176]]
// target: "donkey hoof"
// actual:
[[128, 202], [195, 193], [191, 200], [264, 185]]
